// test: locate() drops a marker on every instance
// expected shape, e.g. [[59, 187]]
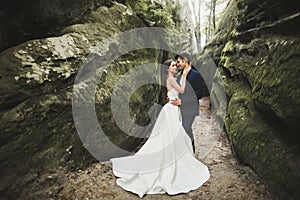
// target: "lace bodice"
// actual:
[[172, 94]]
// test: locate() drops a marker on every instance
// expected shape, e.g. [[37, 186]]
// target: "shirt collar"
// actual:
[[189, 68]]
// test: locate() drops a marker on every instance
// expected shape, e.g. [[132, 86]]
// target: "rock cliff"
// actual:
[[256, 48], [36, 82], [21, 21]]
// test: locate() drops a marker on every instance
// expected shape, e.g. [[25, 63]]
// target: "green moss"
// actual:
[[37, 86], [261, 68], [140, 101], [227, 51], [229, 46], [256, 144], [156, 13]]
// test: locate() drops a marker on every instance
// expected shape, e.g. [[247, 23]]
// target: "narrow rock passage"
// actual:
[[229, 179]]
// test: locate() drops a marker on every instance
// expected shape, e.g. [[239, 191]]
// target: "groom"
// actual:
[[189, 100]]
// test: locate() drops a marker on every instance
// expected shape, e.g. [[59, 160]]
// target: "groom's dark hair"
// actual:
[[183, 54]]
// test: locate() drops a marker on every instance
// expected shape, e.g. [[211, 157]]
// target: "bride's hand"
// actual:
[[185, 72]]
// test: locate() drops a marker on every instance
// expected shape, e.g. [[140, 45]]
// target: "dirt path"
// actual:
[[229, 179]]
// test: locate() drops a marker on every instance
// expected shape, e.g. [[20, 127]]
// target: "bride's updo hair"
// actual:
[[168, 62], [165, 68]]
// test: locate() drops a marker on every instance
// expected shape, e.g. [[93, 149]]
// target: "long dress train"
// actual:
[[166, 162]]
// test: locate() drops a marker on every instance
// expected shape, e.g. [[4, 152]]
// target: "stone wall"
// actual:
[[256, 48], [21, 21], [37, 77]]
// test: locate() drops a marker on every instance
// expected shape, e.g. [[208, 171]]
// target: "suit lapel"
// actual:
[[188, 75]]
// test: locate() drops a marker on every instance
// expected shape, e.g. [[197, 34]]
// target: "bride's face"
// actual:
[[173, 67]]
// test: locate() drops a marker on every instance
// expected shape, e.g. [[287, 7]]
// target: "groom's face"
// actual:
[[181, 63]]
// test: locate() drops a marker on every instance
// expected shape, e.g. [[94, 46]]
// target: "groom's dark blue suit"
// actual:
[[190, 100]]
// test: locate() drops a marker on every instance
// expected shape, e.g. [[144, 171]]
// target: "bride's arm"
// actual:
[[176, 86]]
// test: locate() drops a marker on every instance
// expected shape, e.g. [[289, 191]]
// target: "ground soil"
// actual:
[[229, 179]]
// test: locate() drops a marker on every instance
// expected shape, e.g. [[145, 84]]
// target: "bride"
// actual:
[[166, 162]]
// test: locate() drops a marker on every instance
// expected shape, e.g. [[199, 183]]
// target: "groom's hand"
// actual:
[[176, 102]]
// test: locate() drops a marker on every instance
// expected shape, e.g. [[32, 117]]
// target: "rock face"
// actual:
[[36, 84], [21, 21], [257, 48]]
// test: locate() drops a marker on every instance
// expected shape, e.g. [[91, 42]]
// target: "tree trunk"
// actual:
[[209, 20], [214, 14], [198, 27]]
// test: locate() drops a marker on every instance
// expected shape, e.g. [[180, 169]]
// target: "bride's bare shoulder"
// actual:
[[171, 79]]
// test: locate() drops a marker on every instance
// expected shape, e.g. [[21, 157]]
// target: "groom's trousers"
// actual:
[[187, 122]]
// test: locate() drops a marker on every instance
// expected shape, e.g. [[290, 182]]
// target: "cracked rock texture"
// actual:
[[256, 48]]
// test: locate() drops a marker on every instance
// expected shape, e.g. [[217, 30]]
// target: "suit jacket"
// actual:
[[192, 94]]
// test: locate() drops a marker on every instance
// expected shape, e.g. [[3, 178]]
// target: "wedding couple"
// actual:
[[166, 162]]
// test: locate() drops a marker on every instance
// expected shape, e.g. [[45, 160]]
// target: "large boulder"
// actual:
[[257, 48], [37, 77], [21, 21]]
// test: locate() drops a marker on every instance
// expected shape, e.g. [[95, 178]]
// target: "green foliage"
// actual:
[[155, 13]]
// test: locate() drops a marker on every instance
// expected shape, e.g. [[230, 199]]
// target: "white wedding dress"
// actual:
[[166, 162]]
